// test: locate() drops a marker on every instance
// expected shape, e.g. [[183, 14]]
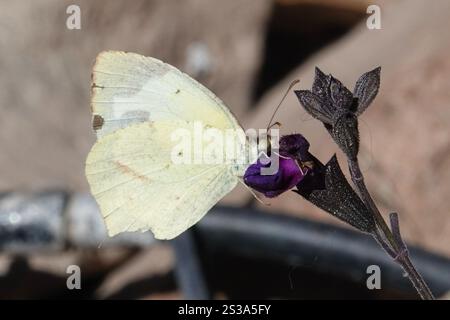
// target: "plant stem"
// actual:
[[390, 241]]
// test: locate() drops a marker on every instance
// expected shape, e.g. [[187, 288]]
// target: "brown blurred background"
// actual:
[[247, 52]]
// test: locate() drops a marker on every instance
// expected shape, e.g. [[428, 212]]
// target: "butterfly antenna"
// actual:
[[278, 124], [254, 194], [293, 83]]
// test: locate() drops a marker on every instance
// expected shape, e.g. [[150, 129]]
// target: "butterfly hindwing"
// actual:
[[138, 187]]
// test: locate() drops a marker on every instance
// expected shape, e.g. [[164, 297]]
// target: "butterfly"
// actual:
[[137, 103]]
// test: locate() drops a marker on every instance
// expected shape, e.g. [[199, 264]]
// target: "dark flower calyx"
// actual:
[[338, 108], [366, 89], [346, 134], [337, 197]]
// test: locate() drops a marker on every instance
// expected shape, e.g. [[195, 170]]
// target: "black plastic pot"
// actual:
[[250, 254]]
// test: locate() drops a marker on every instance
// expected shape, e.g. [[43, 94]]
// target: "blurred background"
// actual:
[[247, 52]]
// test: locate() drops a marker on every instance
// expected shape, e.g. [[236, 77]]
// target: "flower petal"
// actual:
[[287, 176], [294, 146]]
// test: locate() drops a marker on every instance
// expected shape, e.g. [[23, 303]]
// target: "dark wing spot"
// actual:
[[94, 85], [97, 122], [178, 91]]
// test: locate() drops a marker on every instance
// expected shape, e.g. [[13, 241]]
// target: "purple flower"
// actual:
[[323, 185], [294, 146], [292, 156], [287, 176]]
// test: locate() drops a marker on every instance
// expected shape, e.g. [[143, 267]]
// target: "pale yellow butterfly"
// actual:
[[137, 103]]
